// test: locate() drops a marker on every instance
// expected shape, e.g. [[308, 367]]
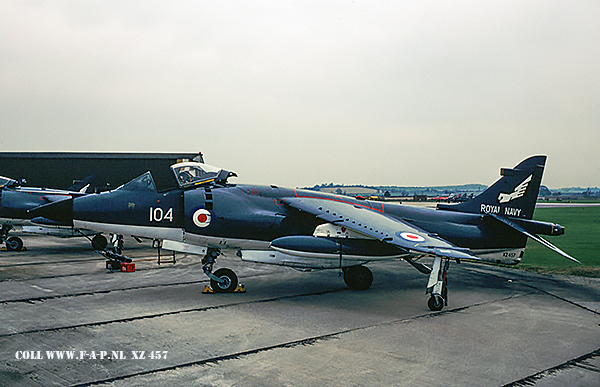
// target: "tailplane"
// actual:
[[513, 195]]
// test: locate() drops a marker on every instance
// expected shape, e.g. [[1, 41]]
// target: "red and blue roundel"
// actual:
[[409, 236], [201, 218]]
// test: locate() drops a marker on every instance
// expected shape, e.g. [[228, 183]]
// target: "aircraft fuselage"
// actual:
[[251, 216]]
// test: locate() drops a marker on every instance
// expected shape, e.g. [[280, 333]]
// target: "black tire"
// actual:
[[14, 244], [99, 242], [231, 281], [435, 303], [358, 277]]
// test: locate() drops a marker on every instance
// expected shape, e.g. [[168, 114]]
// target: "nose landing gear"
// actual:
[[12, 243], [223, 280]]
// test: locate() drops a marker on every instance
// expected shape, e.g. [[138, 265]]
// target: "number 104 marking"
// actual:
[[158, 214]]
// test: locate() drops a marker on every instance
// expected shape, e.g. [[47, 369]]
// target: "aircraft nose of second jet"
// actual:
[[61, 212]]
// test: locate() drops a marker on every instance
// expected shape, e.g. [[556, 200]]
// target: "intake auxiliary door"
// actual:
[[230, 212]]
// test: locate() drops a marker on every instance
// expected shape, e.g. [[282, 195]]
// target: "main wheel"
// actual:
[[229, 284], [14, 244], [99, 242], [358, 277], [435, 303]]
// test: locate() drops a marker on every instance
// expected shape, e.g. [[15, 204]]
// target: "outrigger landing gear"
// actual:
[[358, 277], [223, 280], [438, 285], [12, 243]]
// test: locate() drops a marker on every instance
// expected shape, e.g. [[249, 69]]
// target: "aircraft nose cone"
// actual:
[[61, 212]]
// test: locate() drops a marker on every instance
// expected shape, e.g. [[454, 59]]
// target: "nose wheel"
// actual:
[[14, 244], [227, 283], [223, 280]]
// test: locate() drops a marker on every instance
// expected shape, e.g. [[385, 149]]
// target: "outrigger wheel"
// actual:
[[358, 277], [435, 303], [438, 285], [229, 281]]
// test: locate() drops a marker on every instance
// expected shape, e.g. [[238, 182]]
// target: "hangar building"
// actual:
[[63, 169]]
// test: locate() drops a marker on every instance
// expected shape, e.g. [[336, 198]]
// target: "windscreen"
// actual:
[[143, 183]]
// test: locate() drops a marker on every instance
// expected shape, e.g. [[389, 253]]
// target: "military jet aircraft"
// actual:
[[16, 200], [310, 230]]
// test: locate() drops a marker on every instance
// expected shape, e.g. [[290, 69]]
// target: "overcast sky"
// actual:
[[298, 93]]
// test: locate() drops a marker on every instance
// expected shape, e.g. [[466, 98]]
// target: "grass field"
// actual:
[[581, 240]]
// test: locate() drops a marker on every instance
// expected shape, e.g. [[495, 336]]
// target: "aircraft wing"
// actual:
[[379, 226]]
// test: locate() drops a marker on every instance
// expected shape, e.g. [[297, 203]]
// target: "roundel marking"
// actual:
[[201, 218], [412, 237]]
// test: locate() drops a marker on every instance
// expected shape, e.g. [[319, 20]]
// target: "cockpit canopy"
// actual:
[[192, 174], [6, 182]]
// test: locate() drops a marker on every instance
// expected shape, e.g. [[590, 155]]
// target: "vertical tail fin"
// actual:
[[86, 185], [514, 194]]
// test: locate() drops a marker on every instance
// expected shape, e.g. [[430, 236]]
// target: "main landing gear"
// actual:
[[358, 277], [438, 285], [223, 280], [12, 243]]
